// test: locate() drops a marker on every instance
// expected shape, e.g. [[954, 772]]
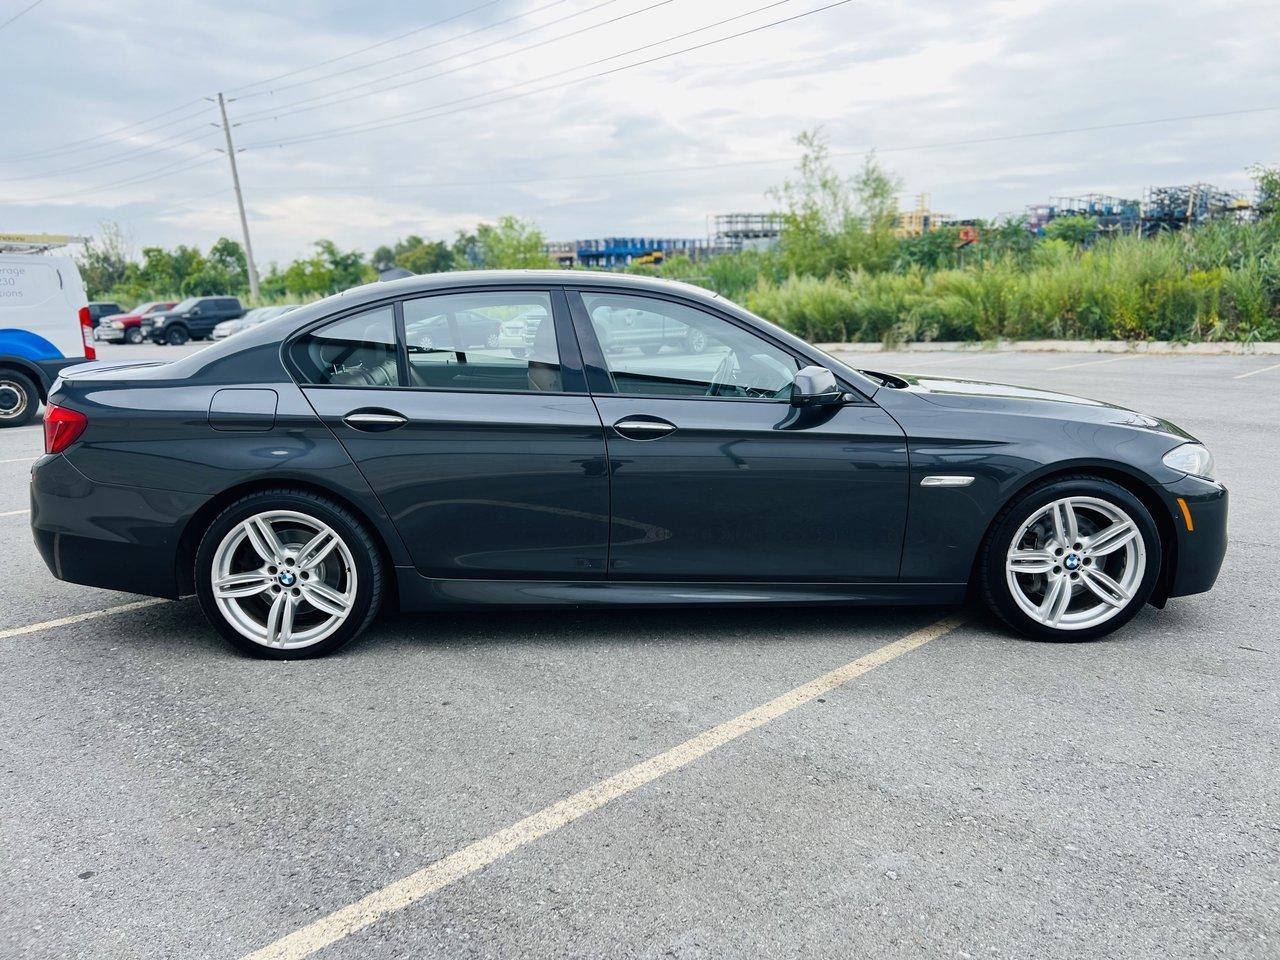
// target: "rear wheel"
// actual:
[[287, 574], [19, 399], [1072, 559]]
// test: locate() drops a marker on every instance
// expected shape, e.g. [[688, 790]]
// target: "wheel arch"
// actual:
[[1131, 480], [29, 370], [198, 523]]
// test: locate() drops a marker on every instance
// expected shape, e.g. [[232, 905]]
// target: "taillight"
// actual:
[[86, 334], [62, 427]]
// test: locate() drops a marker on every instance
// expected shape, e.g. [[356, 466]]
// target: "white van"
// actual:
[[44, 326]]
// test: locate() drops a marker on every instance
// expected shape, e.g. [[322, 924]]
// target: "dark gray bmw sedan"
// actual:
[[369, 448]]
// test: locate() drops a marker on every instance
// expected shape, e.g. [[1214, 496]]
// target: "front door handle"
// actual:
[[648, 428], [374, 421]]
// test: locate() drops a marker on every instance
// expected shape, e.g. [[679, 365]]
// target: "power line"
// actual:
[[425, 113], [86, 143], [353, 53], [78, 145], [840, 154], [405, 53], [26, 9], [156, 174], [137, 153], [334, 99]]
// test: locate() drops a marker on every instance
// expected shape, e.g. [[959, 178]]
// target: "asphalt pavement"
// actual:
[[978, 795]]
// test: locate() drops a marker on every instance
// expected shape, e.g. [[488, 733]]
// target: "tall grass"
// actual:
[[1218, 283]]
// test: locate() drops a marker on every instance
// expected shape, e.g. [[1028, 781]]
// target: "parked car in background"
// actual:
[[443, 331], [102, 308], [251, 319], [44, 327], [127, 327], [517, 333], [646, 331], [193, 319]]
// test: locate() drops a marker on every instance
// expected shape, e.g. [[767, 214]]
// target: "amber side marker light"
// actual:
[[1186, 514]]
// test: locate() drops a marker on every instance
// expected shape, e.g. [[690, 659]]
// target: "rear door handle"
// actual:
[[374, 421], [647, 428]]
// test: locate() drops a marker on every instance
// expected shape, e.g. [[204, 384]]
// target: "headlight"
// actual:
[[1191, 458], [117, 324]]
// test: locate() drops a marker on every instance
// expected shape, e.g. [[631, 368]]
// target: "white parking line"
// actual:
[[21, 459], [409, 890], [1274, 366], [1087, 363], [14, 513], [79, 618]]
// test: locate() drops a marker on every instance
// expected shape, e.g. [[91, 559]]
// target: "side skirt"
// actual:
[[418, 593]]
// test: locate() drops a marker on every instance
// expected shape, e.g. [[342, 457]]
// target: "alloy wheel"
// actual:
[[284, 579], [13, 400], [1075, 563]]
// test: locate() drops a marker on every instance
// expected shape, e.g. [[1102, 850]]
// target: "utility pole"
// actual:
[[235, 180]]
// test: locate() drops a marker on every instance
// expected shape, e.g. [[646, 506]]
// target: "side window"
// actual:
[[657, 348], [501, 340], [358, 351]]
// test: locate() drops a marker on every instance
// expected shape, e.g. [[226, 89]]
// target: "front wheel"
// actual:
[[287, 574], [19, 399], [176, 336], [1071, 559]]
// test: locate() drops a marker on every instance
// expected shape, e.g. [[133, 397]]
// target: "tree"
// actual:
[[106, 261], [415, 255], [1267, 179], [1077, 231], [512, 243], [832, 223]]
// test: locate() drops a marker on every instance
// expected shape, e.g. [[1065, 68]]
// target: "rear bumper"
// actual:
[[1201, 534], [103, 535]]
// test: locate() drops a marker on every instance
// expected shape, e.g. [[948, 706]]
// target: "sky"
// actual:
[[462, 111]]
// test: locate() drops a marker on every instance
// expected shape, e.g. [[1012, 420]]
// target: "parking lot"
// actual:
[[968, 794]]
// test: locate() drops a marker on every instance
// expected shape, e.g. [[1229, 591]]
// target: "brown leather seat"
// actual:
[[544, 360]]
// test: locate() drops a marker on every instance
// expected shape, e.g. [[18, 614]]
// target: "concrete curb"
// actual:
[[1220, 348]]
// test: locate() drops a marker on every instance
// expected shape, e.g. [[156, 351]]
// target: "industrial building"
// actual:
[[746, 231]]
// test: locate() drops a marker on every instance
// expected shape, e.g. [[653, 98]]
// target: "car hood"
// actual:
[[1008, 398]]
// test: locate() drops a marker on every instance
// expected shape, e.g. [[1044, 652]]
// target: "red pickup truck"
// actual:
[[127, 327]]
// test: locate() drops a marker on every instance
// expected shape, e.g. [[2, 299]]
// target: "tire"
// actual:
[[176, 336], [133, 335], [19, 399], [651, 349], [696, 341], [234, 551], [1096, 589]]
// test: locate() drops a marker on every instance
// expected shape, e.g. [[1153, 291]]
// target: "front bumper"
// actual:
[[1200, 532], [108, 335], [104, 535]]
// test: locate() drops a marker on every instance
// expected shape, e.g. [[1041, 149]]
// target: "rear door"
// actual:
[[490, 461], [715, 476]]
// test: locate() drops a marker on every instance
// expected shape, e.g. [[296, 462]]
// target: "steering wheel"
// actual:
[[751, 378]]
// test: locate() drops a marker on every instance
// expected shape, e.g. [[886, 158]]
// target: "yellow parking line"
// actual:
[[1087, 363], [78, 618], [409, 890], [1274, 366]]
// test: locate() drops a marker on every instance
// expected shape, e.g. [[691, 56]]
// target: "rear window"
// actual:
[[357, 351]]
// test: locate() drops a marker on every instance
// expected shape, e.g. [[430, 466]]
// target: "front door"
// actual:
[[715, 476], [489, 460]]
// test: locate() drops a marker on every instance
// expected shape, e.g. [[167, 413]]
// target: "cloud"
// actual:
[[595, 157]]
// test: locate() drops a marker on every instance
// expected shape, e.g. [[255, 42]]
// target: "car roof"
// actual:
[[430, 282]]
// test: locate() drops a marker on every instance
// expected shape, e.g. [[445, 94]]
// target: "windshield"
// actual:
[[187, 304]]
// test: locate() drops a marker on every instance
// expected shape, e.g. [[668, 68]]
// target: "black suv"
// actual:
[[102, 308], [193, 319]]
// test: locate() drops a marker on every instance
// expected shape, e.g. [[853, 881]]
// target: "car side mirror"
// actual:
[[815, 387], [193, 312]]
